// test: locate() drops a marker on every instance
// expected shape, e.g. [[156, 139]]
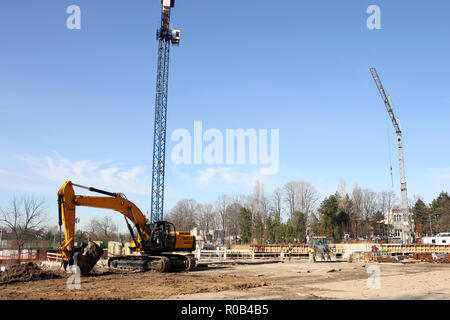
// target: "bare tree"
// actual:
[[369, 203], [245, 201], [23, 218], [103, 228], [357, 212], [301, 196], [260, 210], [277, 203], [370, 207], [221, 206], [387, 200], [342, 188], [208, 222], [233, 219], [260, 203], [258, 193], [290, 196], [184, 215], [357, 198], [341, 192], [308, 199]]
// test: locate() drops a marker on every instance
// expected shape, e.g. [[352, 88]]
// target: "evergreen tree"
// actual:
[[328, 210], [278, 229], [269, 230], [299, 226], [378, 223], [422, 218], [341, 224], [245, 225], [258, 228], [441, 211]]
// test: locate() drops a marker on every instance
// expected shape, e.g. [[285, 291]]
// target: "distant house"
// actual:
[[213, 237], [441, 238], [397, 220]]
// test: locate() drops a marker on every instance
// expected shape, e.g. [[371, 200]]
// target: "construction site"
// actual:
[[259, 273], [160, 260]]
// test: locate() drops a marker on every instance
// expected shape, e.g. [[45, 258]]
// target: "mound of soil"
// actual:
[[25, 272]]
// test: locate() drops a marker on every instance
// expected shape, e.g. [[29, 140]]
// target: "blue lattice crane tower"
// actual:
[[166, 37]]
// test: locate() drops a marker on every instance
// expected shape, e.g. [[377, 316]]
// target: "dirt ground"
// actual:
[[295, 280], [106, 285]]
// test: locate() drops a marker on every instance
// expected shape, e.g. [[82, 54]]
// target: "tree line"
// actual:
[[296, 209], [432, 218], [24, 220], [287, 215]]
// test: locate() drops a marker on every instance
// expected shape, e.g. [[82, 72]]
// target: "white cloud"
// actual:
[[14, 174], [46, 174], [180, 174], [106, 174], [224, 178]]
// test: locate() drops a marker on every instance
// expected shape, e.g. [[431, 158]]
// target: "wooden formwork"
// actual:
[[296, 249], [342, 247], [300, 250], [239, 254], [414, 248], [277, 248], [240, 247]]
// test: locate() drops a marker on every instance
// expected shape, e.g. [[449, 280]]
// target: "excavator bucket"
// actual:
[[87, 256]]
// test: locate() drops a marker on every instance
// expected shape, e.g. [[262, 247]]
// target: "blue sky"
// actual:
[[79, 104]]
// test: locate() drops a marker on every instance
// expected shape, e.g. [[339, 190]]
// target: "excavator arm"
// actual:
[[155, 240], [68, 201]]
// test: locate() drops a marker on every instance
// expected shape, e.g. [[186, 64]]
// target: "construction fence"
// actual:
[[250, 252], [25, 256], [273, 251]]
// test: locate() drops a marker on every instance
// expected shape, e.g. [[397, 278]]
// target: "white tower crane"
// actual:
[[407, 230]]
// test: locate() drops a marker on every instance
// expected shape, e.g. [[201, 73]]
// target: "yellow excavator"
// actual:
[[155, 243]]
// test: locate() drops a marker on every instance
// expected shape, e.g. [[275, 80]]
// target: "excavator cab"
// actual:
[[163, 236]]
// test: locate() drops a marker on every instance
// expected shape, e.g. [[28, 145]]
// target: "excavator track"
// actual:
[[161, 263]]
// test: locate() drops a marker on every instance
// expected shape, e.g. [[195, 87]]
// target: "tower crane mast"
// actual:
[[407, 227], [166, 37]]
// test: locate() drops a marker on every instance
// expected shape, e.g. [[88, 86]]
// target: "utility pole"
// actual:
[[165, 36], [407, 230]]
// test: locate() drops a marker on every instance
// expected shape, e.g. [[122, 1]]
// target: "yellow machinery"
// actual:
[[323, 247], [155, 242]]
